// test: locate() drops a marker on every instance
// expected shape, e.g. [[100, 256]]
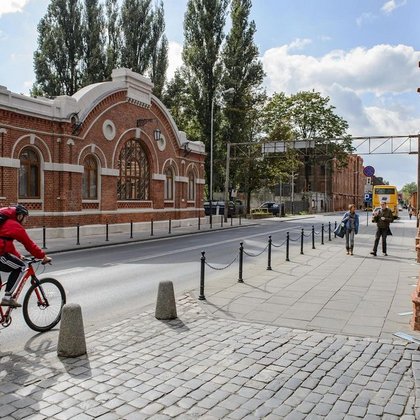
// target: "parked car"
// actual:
[[236, 208], [270, 207]]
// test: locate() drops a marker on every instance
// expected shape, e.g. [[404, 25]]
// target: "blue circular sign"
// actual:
[[369, 171]]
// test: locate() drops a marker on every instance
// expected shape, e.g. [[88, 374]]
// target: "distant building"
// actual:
[[324, 186], [110, 153]]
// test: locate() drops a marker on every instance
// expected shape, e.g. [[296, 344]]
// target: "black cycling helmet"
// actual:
[[20, 209]]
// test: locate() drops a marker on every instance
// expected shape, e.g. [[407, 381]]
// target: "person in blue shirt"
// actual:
[[351, 222]]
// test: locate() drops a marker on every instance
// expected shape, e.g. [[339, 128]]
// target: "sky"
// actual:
[[363, 54]]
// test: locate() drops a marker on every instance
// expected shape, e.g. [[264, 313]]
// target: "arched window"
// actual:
[[134, 179], [29, 174], [90, 179], [191, 186], [169, 184]]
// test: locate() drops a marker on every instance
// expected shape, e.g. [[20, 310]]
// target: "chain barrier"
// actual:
[[269, 246], [278, 246], [221, 268], [255, 255]]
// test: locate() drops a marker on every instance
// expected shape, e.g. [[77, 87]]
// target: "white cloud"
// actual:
[[12, 6], [391, 5], [380, 69], [299, 44], [365, 18], [174, 58], [371, 88]]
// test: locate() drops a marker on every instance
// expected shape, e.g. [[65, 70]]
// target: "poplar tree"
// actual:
[[93, 42], [159, 57], [243, 71], [58, 59], [113, 41], [178, 100], [203, 32]]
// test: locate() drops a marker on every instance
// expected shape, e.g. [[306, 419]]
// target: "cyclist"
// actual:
[[10, 258]]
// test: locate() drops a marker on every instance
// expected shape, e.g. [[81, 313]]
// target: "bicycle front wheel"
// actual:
[[43, 304]]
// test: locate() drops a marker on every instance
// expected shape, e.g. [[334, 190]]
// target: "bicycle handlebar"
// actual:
[[32, 260]]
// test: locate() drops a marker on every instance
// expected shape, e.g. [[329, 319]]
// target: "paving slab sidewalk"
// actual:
[[312, 338]]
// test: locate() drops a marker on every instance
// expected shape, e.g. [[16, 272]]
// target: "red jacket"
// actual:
[[12, 230]]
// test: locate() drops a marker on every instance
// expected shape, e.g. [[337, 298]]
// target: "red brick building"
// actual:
[[110, 153], [348, 184]]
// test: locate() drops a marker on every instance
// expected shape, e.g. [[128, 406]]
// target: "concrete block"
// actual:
[[71, 338], [165, 304]]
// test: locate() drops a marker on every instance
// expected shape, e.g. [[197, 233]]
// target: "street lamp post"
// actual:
[[211, 153]]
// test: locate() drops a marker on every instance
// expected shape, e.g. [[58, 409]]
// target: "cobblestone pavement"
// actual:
[[199, 366]]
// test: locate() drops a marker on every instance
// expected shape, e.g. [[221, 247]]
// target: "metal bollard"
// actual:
[[221, 221], [335, 227], [78, 234], [170, 226], [269, 253], [44, 238], [199, 222], [131, 229], [203, 266], [231, 220], [322, 234], [301, 242], [287, 246], [329, 231], [106, 233], [241, 262], [240, 220], [151, 226], [313, 237]]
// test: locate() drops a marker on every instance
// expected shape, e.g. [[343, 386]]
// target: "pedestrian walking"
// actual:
[[382, 218], [410, 213], [351, 223]]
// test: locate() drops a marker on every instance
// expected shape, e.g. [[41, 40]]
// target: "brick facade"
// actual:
[[97, 122]]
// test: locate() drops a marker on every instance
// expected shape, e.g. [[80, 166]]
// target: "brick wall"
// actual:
[[100, 125]]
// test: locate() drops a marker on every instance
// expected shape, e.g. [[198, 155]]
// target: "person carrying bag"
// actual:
[[349, 227]]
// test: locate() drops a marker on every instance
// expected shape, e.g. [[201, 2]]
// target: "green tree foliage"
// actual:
[[144, 47], [243, 71], [408, 189], [93, 42], [203, 32], [159, 58], [79, 44], [113, 40], [58, 59], [178, 100], [309, 116]]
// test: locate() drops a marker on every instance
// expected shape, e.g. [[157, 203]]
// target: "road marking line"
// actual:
[[406, 313]]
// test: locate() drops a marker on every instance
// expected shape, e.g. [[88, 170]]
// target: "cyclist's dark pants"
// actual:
[[11, 264]]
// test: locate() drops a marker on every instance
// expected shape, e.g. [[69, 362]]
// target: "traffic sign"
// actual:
[[369, 171], [368, 197]]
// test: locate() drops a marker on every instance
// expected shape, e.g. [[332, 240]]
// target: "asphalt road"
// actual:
[[115, 282]]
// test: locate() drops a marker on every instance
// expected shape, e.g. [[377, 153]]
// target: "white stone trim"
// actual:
[[200, 181], [159, 177], [181, 179], [110, 172], [9, 163], [63, 167]]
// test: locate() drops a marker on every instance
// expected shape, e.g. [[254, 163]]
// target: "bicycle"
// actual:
[[43, 302]]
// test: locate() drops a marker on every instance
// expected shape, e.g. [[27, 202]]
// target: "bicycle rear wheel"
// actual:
[[43, 304]]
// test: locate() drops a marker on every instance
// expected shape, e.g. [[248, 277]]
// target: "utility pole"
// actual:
[[227, 182]]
